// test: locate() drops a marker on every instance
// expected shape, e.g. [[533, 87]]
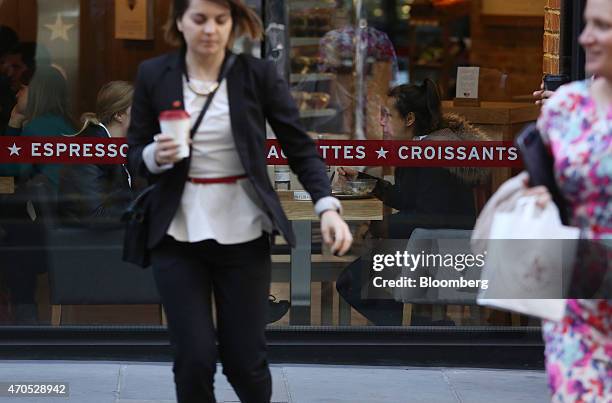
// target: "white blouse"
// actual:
[[229, 213], [226, 213]]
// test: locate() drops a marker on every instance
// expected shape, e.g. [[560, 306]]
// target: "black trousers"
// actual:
[[381, 312], [239, 277]]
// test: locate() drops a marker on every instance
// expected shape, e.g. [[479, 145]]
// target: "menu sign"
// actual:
[[467, 82], [134, 19]]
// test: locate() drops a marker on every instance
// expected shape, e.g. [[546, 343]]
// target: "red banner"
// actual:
[[410, 153], [62, 150], [83, 150]]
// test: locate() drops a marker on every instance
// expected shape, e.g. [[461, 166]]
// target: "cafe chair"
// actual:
[[445, 241], [86, 266], [430, 241]]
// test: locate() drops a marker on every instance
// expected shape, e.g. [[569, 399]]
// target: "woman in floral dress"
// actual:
[[576, 123]]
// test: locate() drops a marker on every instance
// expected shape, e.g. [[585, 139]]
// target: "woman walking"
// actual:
[[575, 123], [211, 213]]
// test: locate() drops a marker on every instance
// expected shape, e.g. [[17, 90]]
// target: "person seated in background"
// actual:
[[41, 110], [18, 63], [91, 194], [425, 197], [8, 40]]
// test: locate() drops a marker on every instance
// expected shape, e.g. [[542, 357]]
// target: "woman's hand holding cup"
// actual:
[[173, 143], [166, 149]]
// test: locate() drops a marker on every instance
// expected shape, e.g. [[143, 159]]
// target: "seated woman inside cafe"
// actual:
[[41, 110], [96, 195], [425, 197]]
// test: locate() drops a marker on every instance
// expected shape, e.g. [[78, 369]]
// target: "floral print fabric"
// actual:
[[337, 48], [579, 347]]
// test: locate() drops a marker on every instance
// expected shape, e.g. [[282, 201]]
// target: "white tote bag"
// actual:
[[530, 257]]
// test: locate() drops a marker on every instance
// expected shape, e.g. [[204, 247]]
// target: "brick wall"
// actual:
[[552, 31]]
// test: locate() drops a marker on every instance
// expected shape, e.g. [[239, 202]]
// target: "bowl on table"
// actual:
[[359, 187]]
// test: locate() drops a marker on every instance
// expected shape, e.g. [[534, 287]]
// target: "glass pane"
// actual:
[[357, 71], [401, 45]]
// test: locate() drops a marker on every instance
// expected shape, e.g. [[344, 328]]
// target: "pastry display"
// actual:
[[311, 90], [310, 23], [311, 100], [305, 64], [318, 100]]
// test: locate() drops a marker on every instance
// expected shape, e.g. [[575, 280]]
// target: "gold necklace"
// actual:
[[205, 93]]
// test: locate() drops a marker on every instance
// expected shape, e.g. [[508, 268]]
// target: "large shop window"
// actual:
[[364, 74]]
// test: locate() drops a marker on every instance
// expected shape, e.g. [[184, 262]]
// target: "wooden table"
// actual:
[[354, 210], [7, 185], [301, 214], [500, 121]]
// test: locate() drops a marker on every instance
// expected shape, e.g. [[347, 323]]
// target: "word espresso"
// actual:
[[405, 262], [62, 150], [76, 150]]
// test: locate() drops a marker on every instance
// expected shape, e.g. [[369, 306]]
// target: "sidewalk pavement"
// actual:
[[136, 382]]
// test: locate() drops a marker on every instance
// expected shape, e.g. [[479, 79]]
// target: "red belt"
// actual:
[[207, 181]]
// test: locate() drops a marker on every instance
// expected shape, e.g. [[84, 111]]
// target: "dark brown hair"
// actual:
[[245, 20], [48, 94], [424, 101]]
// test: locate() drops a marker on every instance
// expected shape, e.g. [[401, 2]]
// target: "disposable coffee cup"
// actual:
[[176, 123]]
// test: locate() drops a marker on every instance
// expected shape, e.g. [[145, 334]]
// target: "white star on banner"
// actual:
[[382, 153], [59, 29], [14, 150]]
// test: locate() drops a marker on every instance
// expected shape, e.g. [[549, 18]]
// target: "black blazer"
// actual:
[[93, 195], [256, 93]]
